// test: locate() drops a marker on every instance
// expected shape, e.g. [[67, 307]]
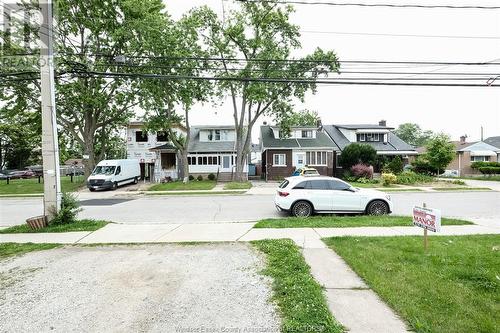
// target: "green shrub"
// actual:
[[199, 178], [422, 166], [410, 177], [357, 153], [458, 182], [211, 176], [489, 170], [367, 181], [396, 165], [388, 179], [69, 210], [478, 165], [191, 177]]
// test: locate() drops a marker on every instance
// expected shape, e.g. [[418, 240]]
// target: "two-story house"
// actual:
[[379, 136], [321, 147], [211, 150], [306, 145]]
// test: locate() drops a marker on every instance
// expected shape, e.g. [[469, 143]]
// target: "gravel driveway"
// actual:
[[153, 288]]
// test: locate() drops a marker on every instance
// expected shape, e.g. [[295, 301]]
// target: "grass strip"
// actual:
[[181, 186], [13, 249], [401, 190], [461, 189], [198, 193], [300, 298], [238, 186], [453, 287], [80, 225], [335, 221]]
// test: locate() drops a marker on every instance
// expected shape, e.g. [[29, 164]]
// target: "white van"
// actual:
[[114, 173]]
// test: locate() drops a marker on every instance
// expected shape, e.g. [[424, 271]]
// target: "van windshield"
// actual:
[[104, 170]]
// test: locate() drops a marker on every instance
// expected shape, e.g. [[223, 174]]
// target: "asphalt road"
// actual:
[[241, 208]]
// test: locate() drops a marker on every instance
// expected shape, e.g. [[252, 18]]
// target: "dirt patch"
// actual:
[[153, 288]]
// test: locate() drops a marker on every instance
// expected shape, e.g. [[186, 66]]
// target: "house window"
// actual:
[[141, 136], [217, 135], [307, 134], [361, 137], [337, 161], [161, 136], [370, 137], [479, 158], [224, 135], [191, 160], [316, 158], [279, 159]]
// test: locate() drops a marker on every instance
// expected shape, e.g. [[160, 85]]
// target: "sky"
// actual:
[[453, 110]]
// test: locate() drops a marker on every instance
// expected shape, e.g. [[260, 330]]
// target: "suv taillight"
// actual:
[[283, 194]]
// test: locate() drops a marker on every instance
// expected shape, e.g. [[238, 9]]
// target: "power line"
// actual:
[[274, 80], [298, 2], [396, 35]]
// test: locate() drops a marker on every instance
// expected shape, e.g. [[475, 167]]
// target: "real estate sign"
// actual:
[[427, 218]]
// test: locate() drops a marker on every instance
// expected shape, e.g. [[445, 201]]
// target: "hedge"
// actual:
[[490, 170], [478, 165]]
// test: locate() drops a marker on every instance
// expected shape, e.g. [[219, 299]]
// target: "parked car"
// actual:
[[21, 174], [113, 173], [305, 171], [449, 173], [3, 176], [303, 196]]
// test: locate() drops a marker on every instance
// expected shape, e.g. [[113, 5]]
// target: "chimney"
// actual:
[[463, 138], [382, 123]]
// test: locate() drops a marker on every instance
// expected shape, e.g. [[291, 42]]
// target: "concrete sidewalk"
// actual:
[[230, 232]]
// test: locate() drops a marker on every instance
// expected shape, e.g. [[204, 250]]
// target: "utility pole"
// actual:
[[50, 145]]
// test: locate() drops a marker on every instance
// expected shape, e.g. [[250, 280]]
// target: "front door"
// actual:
[[300, 160], [226, 163]]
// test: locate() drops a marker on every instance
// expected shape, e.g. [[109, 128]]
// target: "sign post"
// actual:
[[428, 219]]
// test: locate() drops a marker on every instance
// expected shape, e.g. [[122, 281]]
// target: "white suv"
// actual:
[[303, 196]]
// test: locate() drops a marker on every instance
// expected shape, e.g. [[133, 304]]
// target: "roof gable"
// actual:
[[480, 146], [268, 140]]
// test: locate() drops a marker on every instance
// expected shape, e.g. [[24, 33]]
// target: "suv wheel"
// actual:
[[377, 207], [115, 185], [302, 209]]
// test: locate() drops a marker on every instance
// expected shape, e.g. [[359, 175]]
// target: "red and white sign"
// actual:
[[427, 218]]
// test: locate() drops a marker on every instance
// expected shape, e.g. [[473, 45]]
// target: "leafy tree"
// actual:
[[89, 36], [169, 101], [259, 32], [413, 134], [357, 153], [302, 118], [439, 151]]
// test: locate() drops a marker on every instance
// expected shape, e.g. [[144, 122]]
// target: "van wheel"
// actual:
[[377, 207], [115, 185], [135, 180], [91, 189], [302, 209]]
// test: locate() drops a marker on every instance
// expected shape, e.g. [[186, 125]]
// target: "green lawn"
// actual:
[[334, 221], [237, 185], [198, 193], [401, 190], [180, 186], [12, 249], [461, 189], [453, 288], [27, 186], [80, 225], [299, 297]]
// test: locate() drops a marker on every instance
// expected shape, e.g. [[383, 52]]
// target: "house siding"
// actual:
[[279, 172]]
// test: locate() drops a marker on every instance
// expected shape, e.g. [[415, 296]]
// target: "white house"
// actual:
[[211, 150]]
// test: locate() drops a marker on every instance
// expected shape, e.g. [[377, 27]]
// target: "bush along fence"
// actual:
[[487, 168]]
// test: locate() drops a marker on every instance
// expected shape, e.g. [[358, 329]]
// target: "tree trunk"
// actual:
[[90, 162], [184, 163]]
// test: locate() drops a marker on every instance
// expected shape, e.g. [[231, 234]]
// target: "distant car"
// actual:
[[21, 174], [3, 176], [449, 173], [305, 171], [303, 196]]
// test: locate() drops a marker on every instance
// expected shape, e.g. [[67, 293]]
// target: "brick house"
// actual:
[[306, 145]]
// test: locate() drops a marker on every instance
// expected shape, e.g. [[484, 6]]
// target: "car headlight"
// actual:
[[388, 197]]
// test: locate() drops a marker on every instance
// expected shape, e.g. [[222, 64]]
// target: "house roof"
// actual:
[[480, 146], [269, 141], [166, 146], [364, 126], [394, 142], [196, 146], [494, 141]]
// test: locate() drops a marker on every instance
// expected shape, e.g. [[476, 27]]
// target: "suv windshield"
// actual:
[[104, 170]]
